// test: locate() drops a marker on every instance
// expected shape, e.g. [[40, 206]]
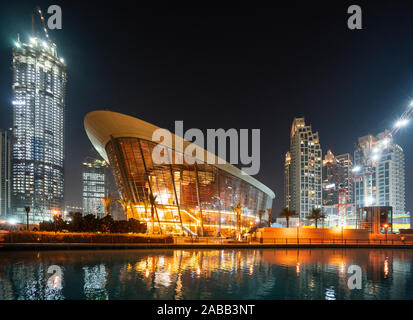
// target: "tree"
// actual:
[[287, 214], [106, 223], [125, 204], [316, 215], [260, 214], [152, 201], [76, 222], [269, 217], [90, 223], [27, 208], [238, 211], [107, 202]]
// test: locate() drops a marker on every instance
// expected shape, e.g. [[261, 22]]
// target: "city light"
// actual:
[[356, 169], [12, 221], [401, 123]]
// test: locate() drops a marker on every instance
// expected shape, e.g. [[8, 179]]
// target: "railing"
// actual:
[[292, 241]]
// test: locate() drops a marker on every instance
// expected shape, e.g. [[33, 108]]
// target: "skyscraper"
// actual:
[[337, 176], [5, 172], [305, 180], [287, 181], [39, 80], [379, 176], [94, 187]]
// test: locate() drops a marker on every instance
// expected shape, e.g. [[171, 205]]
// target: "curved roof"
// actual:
[[101, 125]]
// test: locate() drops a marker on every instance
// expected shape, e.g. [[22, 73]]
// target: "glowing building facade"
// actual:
[[304, 169], [94, 187], [39, 80], [5, 172], [379, 173], [190, 198]]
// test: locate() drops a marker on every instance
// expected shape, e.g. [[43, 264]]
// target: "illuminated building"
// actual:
[[287, 177], [195, 198], [5, 172], [379, 173], [338, 188], [94, 187], [39, 80], [305, 180]]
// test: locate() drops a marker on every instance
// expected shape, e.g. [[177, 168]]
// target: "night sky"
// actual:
[[228, 67]]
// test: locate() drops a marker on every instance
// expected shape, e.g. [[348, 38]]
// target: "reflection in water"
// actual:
[[207, 274]]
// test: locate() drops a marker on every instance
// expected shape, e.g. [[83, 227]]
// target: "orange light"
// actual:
[[386, 225]]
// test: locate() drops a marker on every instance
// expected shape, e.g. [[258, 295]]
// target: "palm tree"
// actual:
[[107, 202], [316, 214], [238, 211], [269, 217], [125, 204], [152, 200], [287, 214], [27, 208], [260, 214]]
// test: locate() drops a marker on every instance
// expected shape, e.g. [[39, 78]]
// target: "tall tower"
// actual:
[[94, 187], [39, 80], [5, 173], [305, 169], [287, 180], [379, 173]]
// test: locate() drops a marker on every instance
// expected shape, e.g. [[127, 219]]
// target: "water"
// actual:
[[206, 274]]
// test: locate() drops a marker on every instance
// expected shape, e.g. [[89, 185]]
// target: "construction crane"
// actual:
[[51, 43]]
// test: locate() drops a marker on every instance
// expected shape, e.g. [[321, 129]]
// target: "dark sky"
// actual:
[[229, 67]]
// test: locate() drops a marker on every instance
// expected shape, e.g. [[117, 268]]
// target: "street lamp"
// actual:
[[298, 228], [386, 227]]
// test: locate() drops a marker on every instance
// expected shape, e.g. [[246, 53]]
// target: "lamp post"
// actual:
[[298, 228], [386, 227]]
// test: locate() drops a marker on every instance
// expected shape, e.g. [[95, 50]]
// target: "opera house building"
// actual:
[[192, 198]]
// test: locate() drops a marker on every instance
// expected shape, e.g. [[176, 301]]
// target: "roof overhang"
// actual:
[[100, 125]]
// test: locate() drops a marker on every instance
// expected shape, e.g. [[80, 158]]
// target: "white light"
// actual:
[[385, 141], [411, 104], [330, 186], [401, 123], [44, 44], [369, 201], [62, 60], [32, 40], [376, 150], [12, 221], [356, 169], [375, 157], [17, 44]]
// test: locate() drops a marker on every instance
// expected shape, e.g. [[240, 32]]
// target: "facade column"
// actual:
[[199, 199], [219, 203], [149, 183], [176, 195]]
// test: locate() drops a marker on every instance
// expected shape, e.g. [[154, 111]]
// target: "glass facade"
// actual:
[[39, 80], [195, 199], [94, 187]]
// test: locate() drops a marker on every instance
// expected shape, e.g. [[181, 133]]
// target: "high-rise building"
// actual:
[[94, 187], [39, 80], [379, 173], [305, 180], [287, 165], [5, 172], [337, 178]]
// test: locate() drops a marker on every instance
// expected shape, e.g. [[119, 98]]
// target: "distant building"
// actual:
[[304, 169], [379, 173], [39, 80], [338, 186], [5, 172], [287, 166], [94, 187]]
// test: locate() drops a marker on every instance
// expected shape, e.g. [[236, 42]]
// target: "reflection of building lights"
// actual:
[[251, 269], [386, 267], [198, 272], [297, 268], [147, 273]]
